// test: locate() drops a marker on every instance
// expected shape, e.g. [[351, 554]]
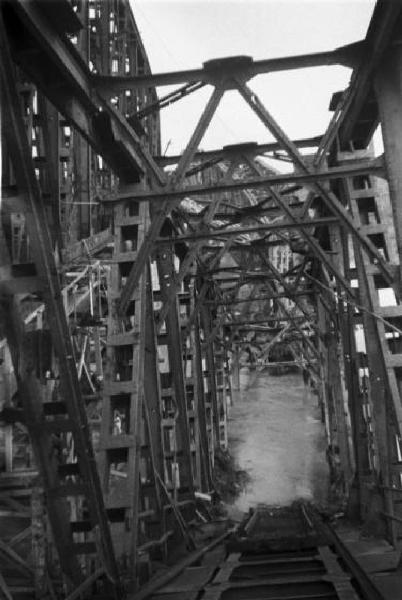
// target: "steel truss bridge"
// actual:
[[133, 285]]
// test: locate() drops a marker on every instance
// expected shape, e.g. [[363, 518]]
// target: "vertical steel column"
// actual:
[[359, 500], [208, 344], [219, 354], [165, 262], [345, 390], [383, 356], [84, 468], [204, 442], [153, 399], [388, 87], [380, 500], [124, 450]]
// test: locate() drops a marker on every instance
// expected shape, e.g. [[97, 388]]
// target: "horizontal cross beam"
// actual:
[[248, 213], [222, 68], [276, 226], [373, 167], [250, 148], [260, 298], [263, 321]]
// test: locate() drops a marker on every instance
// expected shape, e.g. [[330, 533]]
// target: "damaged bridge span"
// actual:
[[134, 286]]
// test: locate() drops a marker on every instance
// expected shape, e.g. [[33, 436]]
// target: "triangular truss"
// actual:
[[134, 286]]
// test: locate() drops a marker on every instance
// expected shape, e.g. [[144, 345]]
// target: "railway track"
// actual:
[[278, 554]]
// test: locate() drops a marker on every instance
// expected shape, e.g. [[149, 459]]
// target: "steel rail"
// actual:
[[365, 583]]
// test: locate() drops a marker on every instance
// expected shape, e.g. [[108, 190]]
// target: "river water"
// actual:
[[276, 435]]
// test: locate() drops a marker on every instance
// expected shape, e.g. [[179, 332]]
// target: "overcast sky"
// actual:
[[184, 34]]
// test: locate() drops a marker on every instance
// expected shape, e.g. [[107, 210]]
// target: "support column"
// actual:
[[39, 539], [165, 262], [388, 87], [206, 467], [236, 367], [152, 406], [211, 370], [378, 502]]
